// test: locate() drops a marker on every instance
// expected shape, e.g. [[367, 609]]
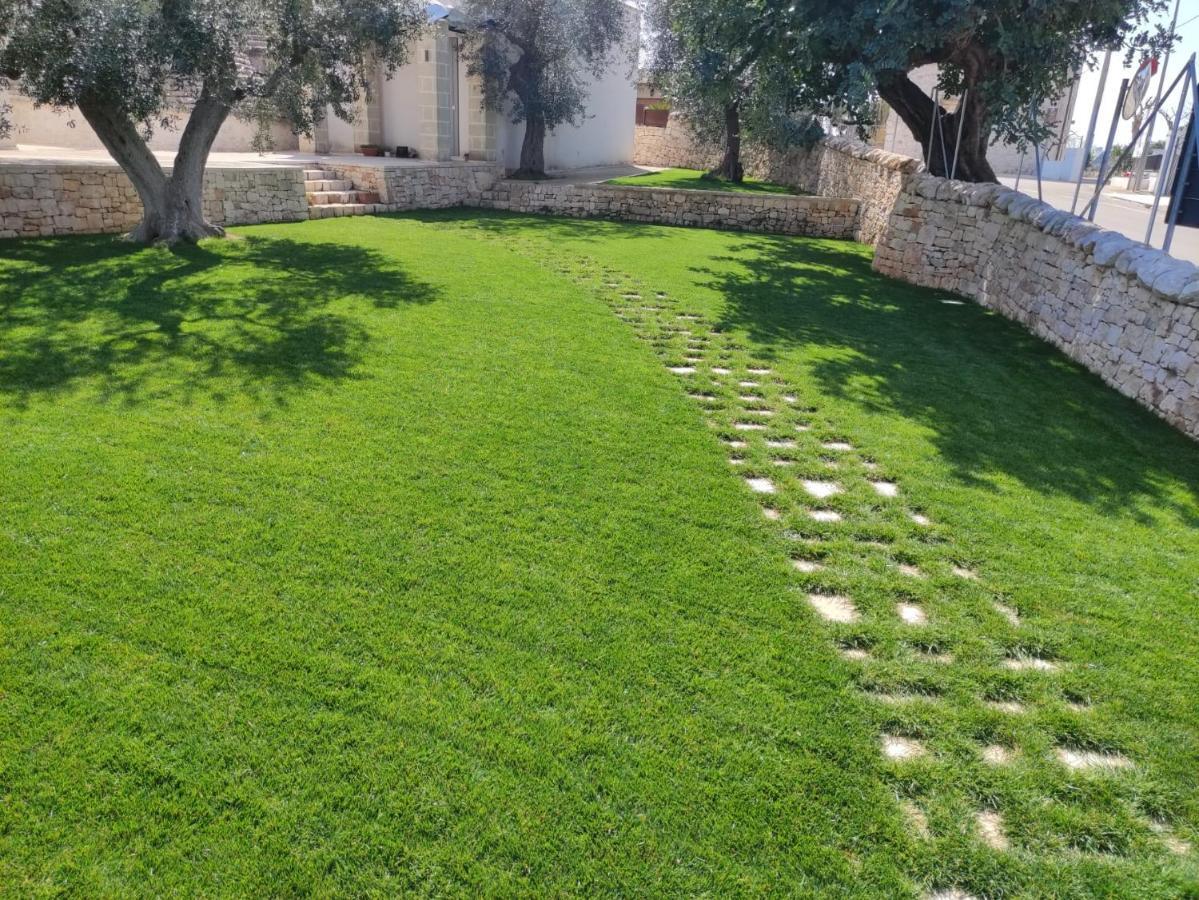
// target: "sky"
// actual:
[[1188, 13]]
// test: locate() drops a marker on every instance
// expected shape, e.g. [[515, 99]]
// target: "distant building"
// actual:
[[652, 106]]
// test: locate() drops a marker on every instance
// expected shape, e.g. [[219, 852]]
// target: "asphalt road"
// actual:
[[1129, 217]]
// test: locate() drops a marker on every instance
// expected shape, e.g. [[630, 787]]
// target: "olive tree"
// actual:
[[123, 62], [707, 57], [1004, 57], [702, 54], [534, 58]]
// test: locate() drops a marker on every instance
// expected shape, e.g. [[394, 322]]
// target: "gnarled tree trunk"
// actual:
[[938, 143], [532, 148], [730, 165], [172, 204]]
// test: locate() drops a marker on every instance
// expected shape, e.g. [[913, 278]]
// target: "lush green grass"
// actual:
[[378, 555], [695, 180]]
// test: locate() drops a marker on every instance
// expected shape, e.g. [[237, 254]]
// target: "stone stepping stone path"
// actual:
[[867, 517], [834, 607], [1073, 758], [901, 748]]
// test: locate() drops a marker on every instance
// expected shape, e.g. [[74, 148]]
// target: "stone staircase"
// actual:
[[330, 196]]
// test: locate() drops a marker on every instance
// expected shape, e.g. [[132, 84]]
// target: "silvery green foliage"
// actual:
[[289, 58], [835, 58], [535, 56], [1011, 55], [706, 56]]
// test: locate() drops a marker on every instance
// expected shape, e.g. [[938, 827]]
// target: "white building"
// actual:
[[430, 105]]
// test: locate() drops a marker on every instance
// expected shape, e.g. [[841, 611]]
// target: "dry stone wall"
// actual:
[[834, 167], [48, 199], [774, 213], [1127, 312], [80, 199], [427, 186], [672, 146]]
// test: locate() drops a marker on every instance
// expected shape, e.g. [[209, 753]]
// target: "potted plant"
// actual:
[[369, 149]]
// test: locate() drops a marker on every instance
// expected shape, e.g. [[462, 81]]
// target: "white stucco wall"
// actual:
[[47, 127], [341, 134], [605, 137], [401, 108]]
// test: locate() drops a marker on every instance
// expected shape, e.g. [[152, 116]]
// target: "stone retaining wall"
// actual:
[[80, 199], [774, 213], [428, 186], [1128, 313], [672, 146], [834, 167]]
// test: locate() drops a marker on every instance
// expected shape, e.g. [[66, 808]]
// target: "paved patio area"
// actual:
[[31, 154]]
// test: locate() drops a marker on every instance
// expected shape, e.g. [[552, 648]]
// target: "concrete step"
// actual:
[[330, 210], [326, 198], [316, 175], [326, 184], [321, 198]]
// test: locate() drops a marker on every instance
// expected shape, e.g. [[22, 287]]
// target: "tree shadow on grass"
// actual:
[[516, 225], [993, 397], [260, 316]]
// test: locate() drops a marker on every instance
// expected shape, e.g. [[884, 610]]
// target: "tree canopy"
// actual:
[[1006, 57], [535, 57], [707, 56], [125, 64]]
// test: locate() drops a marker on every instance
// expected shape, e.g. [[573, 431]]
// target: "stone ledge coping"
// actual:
[[884, 158], [1166, 276], [107, 166], [51, 167], [412, 165], [635, 191]]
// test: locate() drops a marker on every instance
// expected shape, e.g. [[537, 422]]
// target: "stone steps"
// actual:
[[330, 196], [326, 198], [331, 210], [327, 184]]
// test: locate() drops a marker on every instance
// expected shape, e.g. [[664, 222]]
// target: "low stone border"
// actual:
[[428, 186], [1127, 312], [46, 199], [832, 217], [833, 167]]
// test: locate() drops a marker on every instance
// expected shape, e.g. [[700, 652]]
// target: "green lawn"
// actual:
[[695, 180], [383, 555]]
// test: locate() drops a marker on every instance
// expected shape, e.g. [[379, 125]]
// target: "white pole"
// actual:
[[1086, 147]]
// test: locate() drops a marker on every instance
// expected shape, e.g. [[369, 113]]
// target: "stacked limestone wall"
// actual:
[[427, 186], [774, 213], [834, 167], [49, 199], [82, 199], [672, 146], [1127, 312]]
